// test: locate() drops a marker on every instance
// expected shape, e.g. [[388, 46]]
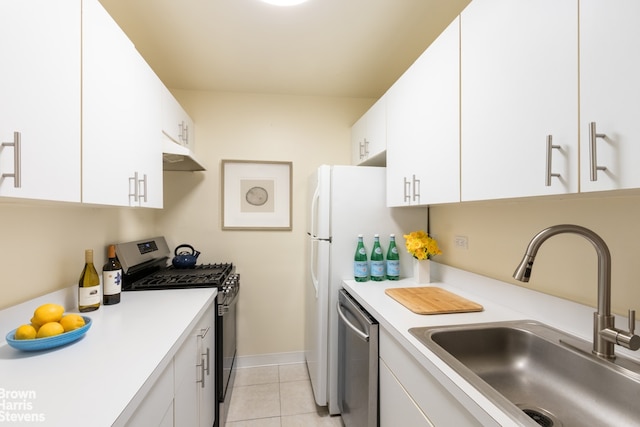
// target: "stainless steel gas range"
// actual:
[[145, 264]]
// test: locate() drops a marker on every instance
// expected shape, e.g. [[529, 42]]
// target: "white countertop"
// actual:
[[100, 379], [501, 302]]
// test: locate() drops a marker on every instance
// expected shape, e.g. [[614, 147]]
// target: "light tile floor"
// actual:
[[276, 396]]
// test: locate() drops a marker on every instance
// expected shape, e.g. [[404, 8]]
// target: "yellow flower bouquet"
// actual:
[[421, 246]]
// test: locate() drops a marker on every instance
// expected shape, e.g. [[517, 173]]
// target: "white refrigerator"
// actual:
[[344, 201]]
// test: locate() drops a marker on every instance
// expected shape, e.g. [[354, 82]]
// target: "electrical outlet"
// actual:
[[461, 242]]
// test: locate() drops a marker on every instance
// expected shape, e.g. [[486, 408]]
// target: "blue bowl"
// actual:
[[49, 342]]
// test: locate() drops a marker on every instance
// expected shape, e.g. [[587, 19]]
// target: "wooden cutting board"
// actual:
[[432, 300]]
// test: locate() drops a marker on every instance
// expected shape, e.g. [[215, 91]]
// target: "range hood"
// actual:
[[176, 157]]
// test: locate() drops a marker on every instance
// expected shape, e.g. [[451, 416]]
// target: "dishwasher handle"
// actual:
[[363, 336]]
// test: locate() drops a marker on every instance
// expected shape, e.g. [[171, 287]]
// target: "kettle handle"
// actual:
[[184, 246]]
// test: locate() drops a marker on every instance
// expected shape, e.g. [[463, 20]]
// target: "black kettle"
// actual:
[[185, 259]]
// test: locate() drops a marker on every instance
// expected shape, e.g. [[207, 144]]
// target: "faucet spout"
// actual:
[[605, 335]]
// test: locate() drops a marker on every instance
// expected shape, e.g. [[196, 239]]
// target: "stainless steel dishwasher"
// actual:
[[357, 364]]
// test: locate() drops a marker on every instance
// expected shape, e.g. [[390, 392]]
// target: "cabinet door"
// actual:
[[358, 132], [206, 388], [121, 137], [397, 408], [519, 85], [423, 127], [369, 136], [40, 98], [610, 92], [176, 123], [185, 373]]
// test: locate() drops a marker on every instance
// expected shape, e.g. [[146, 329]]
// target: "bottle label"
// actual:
[[393, 268], [377, 268], [112, 282], [362, 251], [89, 296], [360, 268], [394, 250], [378, 250]]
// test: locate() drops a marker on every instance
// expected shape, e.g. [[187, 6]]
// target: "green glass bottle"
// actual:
[[393, 260], [360, 264], [377, 260]]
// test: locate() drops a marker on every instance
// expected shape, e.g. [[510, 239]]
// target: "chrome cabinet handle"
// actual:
[[361, 149], [201, 366], [17, 160], [407, 189], [550, 148], [143, 193], [207, 355], [136, 190], [416, 189], [366, 148], [593, 159]]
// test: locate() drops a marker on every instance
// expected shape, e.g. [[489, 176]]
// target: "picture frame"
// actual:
[[256, 195]]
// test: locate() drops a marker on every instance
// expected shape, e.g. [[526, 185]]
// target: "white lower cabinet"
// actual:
[[206, 387], [398, 408], [415, 397], [194, 372], [185, 375], [157, 406]]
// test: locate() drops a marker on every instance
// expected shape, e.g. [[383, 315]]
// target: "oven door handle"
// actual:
[[224, 308]]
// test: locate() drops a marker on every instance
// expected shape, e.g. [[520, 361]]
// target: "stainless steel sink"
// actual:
[[535, 372]]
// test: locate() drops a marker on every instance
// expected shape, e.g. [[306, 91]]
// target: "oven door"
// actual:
[[226, 352]]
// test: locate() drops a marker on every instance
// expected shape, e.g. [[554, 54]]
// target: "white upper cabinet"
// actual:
[[369, 136], [176, 123], [423, 127], [519, 94], [609, 94], [40, 99], [121, 136]]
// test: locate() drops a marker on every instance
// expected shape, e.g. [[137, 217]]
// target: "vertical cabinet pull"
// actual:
[[411, 189], [593, 158], [17, 160], [407, 190], [416, 189], [143, 193], [364, 149], [183, 132], [550, 148], [134, 189], [138, 188], [201, 366]]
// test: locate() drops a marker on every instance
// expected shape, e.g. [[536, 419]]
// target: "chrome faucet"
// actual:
[[605, 335]]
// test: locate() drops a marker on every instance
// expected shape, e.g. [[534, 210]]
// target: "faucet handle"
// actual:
[[632, 321]]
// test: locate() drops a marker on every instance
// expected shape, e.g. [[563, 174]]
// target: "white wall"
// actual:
[[566, 265], [307, 131], [43, 244]]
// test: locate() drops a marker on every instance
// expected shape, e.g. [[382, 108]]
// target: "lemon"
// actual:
[[47, 313], [71, 321], [50, 329], [25, 332]]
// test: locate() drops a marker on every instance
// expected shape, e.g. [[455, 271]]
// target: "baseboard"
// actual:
[[270, 359]]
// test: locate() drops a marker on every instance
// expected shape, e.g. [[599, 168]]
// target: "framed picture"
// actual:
[[256, 195]]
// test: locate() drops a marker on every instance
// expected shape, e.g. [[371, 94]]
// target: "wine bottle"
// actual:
[[111, 278], [360, 264], [89, 285], [393, 260], [377, 260]]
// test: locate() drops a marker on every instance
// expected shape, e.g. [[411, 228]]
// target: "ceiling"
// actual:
[[350, 48]]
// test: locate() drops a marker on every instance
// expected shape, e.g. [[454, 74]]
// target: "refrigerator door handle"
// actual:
[[312, 261]]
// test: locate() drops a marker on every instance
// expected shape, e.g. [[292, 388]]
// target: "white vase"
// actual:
[[422, 271]]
